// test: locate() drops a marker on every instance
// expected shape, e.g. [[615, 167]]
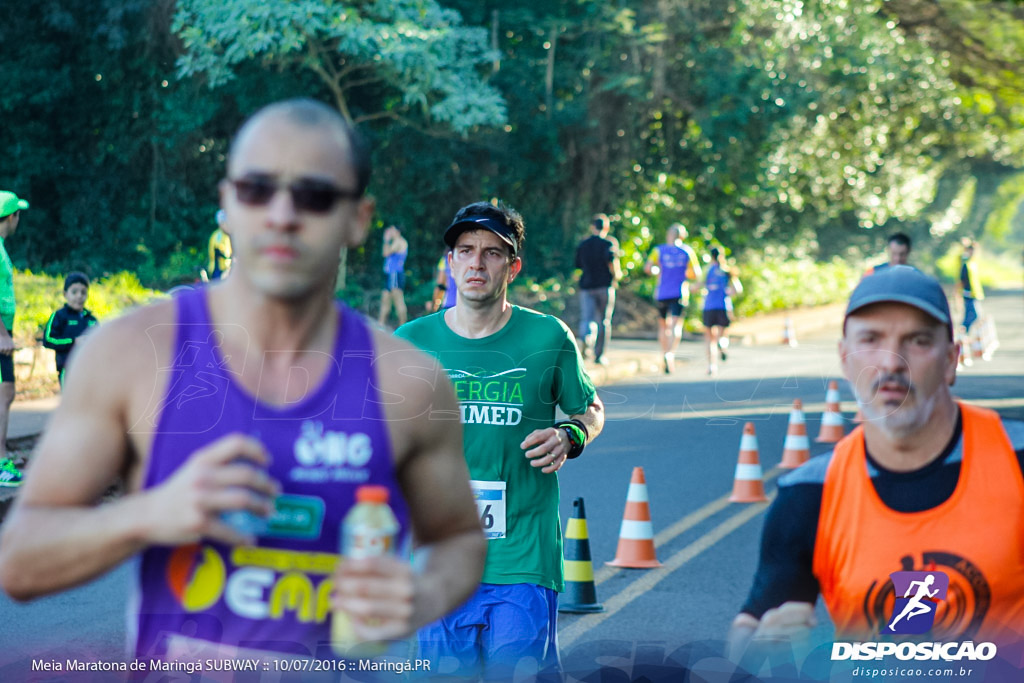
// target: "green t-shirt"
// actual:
[[508, 385], [7, 304]]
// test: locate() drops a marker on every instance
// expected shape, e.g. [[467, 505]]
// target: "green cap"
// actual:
[[9, 203]]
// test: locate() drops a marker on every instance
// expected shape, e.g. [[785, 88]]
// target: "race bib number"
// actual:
[[490, 503]]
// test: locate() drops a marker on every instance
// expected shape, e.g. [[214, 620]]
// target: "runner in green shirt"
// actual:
[[511, 367]]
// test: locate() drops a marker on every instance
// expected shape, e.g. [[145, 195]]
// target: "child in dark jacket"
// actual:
[[69, 322]]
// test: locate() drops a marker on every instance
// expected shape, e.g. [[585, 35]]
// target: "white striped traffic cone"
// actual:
[[989, 338], [797, 449], [789, 334], [977, 345], [747, 486], [636, 536], [831, 429], [965, 360]]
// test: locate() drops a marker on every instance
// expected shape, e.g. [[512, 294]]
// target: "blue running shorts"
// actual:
[[500, 628]]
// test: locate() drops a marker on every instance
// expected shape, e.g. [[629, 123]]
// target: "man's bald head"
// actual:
[[307, 113], [676, 231]]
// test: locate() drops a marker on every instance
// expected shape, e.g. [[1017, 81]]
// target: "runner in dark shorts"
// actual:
[[676, 267], [716, 318], [670, 307], [719, 287]]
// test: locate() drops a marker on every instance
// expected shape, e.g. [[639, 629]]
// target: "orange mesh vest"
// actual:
[[976, 537]]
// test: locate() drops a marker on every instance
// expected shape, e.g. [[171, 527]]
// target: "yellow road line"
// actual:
[[653, 577], [691, 412]]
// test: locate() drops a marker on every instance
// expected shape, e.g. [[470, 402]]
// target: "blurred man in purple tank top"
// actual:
[[232, 399]]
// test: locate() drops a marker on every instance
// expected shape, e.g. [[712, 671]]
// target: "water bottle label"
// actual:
[[490, 503], [369, 542]]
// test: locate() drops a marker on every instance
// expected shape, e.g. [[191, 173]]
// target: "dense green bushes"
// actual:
[[772, 283]]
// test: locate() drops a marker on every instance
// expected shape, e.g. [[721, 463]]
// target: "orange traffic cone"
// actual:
[[580, 595], [797, 449], [788, 334], [747, 486], [831, 429], [636, 536]]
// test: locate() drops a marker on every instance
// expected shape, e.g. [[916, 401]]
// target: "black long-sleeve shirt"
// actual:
[[63, 328]]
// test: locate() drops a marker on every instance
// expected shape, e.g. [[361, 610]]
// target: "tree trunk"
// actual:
[[495, 25], [549, 76]]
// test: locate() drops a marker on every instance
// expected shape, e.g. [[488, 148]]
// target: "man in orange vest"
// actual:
[[927, 486]]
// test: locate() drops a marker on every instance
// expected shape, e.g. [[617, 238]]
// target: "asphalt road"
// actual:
[[684, 430]]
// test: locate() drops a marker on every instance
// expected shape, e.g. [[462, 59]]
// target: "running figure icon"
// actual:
[[916, 606]]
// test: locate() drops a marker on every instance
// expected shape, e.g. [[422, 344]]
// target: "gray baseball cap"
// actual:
[[905, 285]]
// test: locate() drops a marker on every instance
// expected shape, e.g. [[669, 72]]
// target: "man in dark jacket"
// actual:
[[598, 259]]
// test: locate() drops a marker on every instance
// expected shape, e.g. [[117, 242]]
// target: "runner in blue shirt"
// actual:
[[444, 286], [720, 286], [675, 264], [395, 250]]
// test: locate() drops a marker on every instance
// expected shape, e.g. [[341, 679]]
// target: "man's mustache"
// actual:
[[894, 378]]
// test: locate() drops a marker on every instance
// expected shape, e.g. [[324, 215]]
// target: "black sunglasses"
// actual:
[[312, 196]]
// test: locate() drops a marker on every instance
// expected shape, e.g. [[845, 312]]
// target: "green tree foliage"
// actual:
[[822, 125], [414, 56], [815, 127], [97, 133]]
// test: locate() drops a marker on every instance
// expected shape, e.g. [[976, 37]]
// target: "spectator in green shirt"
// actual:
[[11, 207]]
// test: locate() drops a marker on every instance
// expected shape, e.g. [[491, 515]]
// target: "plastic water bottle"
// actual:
[[244, 521], [370, 529]]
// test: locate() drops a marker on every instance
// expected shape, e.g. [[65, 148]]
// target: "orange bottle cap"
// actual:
[[372, 494]]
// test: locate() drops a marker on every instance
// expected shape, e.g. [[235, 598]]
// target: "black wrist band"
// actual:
[[577, 435], [586, 432]]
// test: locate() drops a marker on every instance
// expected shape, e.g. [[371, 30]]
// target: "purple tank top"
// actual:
[[272, 596]]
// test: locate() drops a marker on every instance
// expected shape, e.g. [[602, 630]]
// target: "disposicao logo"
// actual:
[[917, 598]]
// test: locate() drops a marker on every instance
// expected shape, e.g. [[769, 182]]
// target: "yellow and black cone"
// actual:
[[580, 592]]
